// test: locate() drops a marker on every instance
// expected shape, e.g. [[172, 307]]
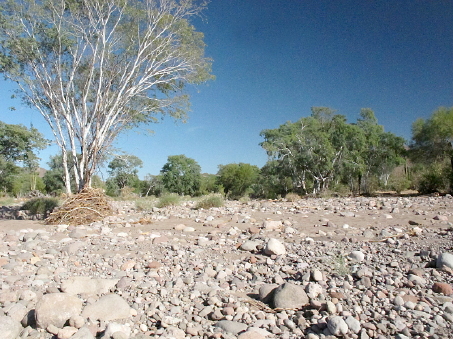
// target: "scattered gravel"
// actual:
[[315, 268]]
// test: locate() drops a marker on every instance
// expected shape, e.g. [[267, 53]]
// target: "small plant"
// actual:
[[43, 206], [340, 265], [292, 197], [145, 203], [171, 199], [209, 201]]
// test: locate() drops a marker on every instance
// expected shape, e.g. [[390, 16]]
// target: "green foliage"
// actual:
[[54, 176], [26, 182], [432, 150], [340, 265], [146, 203], [436, 177], [96, 68], [208, 184], [166, 200], [19, 144], [152, 185], [18, 159], [323, 149], [209, 201], [181, 175], [123, 172], [237, 179], [43, 206]]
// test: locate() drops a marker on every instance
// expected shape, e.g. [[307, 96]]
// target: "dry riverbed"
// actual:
[[316, 268]]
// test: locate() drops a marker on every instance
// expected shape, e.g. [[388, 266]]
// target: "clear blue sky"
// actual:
[[274, 60]]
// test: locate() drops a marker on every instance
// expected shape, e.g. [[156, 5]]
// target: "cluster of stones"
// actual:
[[224, 273]]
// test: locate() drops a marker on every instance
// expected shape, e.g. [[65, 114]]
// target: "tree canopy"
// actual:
[[323, 148], [93, 68], [18, 153], [181, 175], [237, 179]]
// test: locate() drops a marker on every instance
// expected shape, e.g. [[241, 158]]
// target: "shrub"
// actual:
[[145, 203], [171, 199], [209, 201], [292, 197], [43, 206]]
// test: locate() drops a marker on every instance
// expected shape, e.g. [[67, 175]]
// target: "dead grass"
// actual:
[[88, 206]]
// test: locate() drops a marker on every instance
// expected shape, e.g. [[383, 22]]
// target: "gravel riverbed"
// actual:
[[315, 268]]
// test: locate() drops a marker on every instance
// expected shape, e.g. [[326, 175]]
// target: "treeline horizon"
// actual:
[[316, 155]]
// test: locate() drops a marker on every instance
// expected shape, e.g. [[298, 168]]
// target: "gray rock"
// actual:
[[274, 246], [272, 225], [337, 326], [56, 308], [445, 260], [233, 327], [266, 292], [249, 245], [108, 307], [353, 324], [289, 296], [10, 328], [87, 285], [357, 256]]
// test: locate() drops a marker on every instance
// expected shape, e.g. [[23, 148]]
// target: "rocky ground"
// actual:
[[315, 268]]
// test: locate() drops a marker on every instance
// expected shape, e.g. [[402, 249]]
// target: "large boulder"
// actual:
[[10, 328], [87, 285], [289, 296], [107, 308], [445, 260], [56, 309]]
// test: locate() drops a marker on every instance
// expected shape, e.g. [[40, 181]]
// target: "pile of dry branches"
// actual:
[[88, 206]]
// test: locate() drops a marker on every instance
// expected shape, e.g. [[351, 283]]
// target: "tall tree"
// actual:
[[93, 68], [181, 175], [432, 139], [237, 179], [18, 148], [123, 169]]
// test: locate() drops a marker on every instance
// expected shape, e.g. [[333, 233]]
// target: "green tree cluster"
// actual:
[[323, 151], [431, 152], [18, 158]]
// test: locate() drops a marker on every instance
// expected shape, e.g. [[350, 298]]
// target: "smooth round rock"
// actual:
[[56, 309]]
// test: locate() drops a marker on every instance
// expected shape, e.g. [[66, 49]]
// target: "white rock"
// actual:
[[274, 246], [116, 327], [445, 259], [337, 326], [272, 225], [10, 328], [56, 308], [357, 255]]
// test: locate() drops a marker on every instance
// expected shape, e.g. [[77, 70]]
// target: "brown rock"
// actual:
[[154, 265], [128, 265], [337, 295], [254, 230], [443, 288]]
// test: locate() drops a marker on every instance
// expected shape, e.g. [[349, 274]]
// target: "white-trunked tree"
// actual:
[[94, 68]]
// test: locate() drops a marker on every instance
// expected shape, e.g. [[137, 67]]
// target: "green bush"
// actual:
[[171, 199], [212, 200], [43, 206]]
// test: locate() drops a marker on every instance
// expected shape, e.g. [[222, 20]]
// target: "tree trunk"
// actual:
[[67, 176]]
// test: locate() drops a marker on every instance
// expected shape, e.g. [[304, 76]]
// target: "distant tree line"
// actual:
[[316, 155]]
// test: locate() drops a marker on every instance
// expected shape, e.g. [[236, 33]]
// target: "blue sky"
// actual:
[[274, 60]]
